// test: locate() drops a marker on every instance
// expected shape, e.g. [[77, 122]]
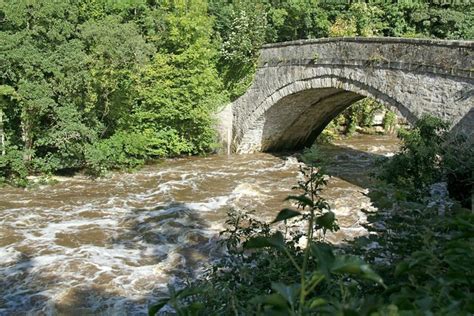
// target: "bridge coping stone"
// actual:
[[392, 40]]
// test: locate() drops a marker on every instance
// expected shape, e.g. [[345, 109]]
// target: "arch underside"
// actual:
[[294, 114], [295, 121], [292, 117]]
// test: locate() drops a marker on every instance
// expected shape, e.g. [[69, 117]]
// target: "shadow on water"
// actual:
[[173, 234], [349, 164], [172, 239]]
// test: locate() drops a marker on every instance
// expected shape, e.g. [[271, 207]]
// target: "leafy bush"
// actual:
[[427, 266], [458, 167], [359, 115], [121, 151], [424, 255], [176, 95], [430, 154], [438, 278], [13, 168], [389, 122], [330, 133], [418, 164]]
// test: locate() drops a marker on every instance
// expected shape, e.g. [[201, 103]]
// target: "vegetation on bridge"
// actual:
[[100, 84]]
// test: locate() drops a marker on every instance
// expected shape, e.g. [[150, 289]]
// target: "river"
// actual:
[[110, 246]]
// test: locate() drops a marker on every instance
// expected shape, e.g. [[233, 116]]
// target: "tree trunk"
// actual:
[[2, 135], [27, 137]]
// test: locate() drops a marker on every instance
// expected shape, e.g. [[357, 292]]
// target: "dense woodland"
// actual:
[[102, 84]]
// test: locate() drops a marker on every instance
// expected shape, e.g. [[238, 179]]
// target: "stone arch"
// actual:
[[324, 76], [292, 116]]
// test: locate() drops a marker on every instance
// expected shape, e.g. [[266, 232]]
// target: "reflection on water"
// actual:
[[110, 246]]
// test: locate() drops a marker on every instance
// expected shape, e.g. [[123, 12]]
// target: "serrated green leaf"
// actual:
[[326, 220], [316, 302], [285, 214], [188, 292], [401, 268], [301, 199], [288, 292], [275, 300], [355, 266], [275, 241]]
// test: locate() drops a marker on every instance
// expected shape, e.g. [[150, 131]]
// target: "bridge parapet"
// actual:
[[455, 58]]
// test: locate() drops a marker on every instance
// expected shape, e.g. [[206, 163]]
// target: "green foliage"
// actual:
[[401, 19], [343, 27], [389, 122], [359, 115], [296, 19], [426, 255], [12, 167], [438, 277], [330, 133], [77, 76], [241, 26], [419, 164], [121, 151], [171, 97], [458, 168], [360, 19]]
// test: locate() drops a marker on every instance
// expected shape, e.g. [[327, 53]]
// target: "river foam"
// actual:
[[110, 246]]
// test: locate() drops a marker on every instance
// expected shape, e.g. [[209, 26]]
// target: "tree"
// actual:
[[177, 92]]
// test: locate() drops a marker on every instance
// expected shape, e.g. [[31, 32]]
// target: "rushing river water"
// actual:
[[110, 246]]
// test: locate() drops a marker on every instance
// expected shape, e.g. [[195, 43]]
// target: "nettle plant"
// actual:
[[268, 272], [316, 261]]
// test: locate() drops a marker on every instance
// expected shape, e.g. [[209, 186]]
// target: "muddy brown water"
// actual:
[[110, 246]]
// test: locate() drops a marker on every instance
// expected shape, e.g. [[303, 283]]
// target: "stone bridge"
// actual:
[[300, 86]]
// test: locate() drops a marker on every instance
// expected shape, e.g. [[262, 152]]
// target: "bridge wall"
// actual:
[[300, 86]]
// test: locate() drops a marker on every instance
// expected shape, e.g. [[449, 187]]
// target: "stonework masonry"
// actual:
[[300, 86]]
